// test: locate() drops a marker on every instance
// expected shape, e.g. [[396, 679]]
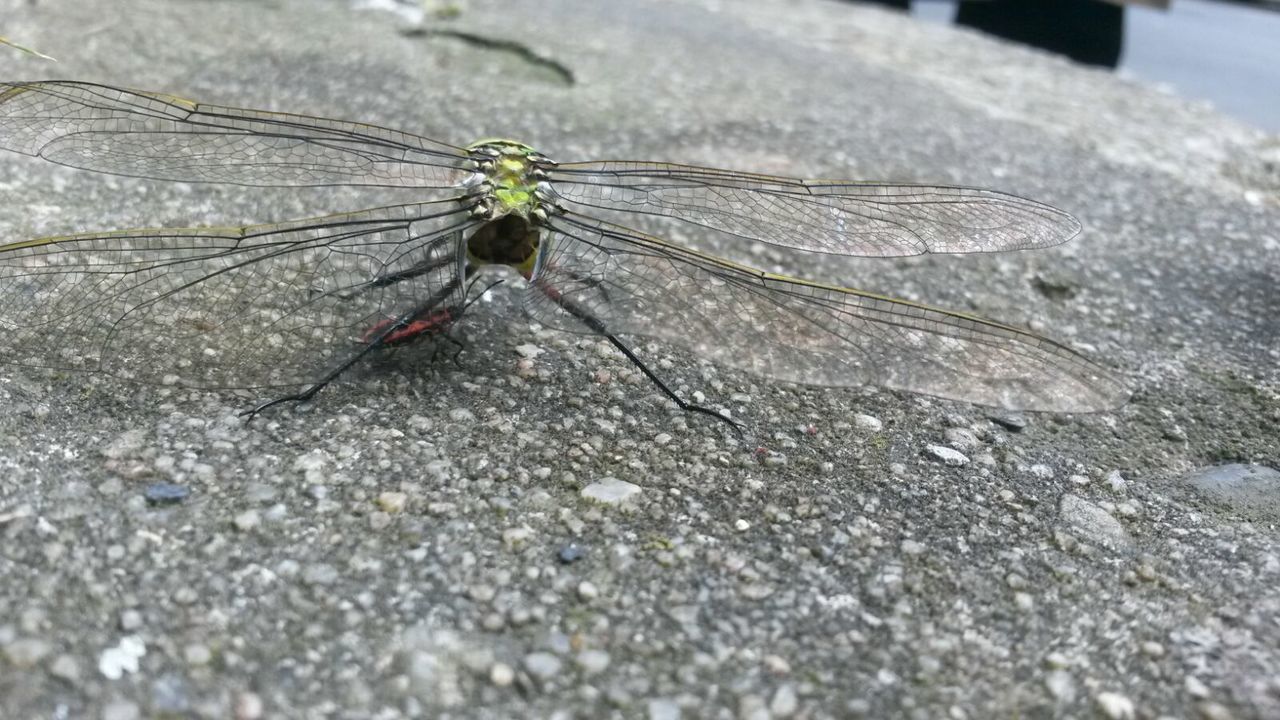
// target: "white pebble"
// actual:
[[611, 491], [587, 591], [502, 674], [742, 525], [951, 457], [1115, 706], [867, 423]]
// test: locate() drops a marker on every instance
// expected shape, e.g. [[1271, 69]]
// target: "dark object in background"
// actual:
[[1087, 31]]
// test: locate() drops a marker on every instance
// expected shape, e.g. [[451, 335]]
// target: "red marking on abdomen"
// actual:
[[434, 323]]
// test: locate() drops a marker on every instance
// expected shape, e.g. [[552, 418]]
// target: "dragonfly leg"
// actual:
[[423, 319], [595, 325], [684, 404]]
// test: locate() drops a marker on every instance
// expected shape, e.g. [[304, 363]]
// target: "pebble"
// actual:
[[1195, 688], [1115, 706], [197, 654], [1247, 489], [502, 674], [587, 591], [542, 665], [1056, 661], [911, 547], [130, 620], [114, 662], [592, 662], [945, 454], [529, 351], [1152, 649], [247, 520], [320, 574], [867, 423], [1093, 523], [1041, 472], [570, 553], [962, 439], [1011, 421], [248, 706], [784, 703], [1116, 482], [611, 491], [516, 538], [120, 709], [1213, 711], [392, 502], [27, 652], [165, 493], [1060, 684], [663, 709], [66, 668], [741, 525]]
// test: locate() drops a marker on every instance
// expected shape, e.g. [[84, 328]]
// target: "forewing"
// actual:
[[266, 305], [801, 332], [150, 135], [841, 218]]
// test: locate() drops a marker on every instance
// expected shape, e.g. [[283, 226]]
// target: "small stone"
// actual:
[[1195, 688], [1041, 472], [114, 662], [493, 622], [502, 674], [320, 574], [542, 665], [1056, 661], [784, 703], [248, 706], [165, 493], [1116, 482], [185, 595], [1252, 490], [65, 667], [741, 525], [867, 423], [945, 454], [592, 662], [1152, 649], [247, 520], [1213, 711], [911, 547], [611, 491], [661, 439], [392, 502], [1011, 421], [1078, 480], [515, 539], [570, 553], [1093, 523], [482, 593], [130, 620], [529, 351], [1060, 684], [962, 439], [664, 709], [587, 591], [27, 652], [120, 709], [1115, 706], [777, 665], [197, 654]]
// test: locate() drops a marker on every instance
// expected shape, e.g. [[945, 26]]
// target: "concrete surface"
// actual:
[[541, 534]]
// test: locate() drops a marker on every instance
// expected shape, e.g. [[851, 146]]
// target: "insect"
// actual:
[[295, 304]]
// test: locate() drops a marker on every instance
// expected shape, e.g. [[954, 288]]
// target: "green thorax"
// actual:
[[508, 167], [511, 204]]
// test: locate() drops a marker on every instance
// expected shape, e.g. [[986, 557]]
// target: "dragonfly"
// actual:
[[296, 304]]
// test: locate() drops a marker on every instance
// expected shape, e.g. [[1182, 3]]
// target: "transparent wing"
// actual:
[[798, 331], [225, 307], [842, 218], [150, 135]]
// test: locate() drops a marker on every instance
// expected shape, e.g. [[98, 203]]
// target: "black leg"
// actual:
[[595, 325], [375, 342]]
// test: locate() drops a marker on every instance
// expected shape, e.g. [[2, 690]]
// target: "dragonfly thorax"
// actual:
[[510, 179]]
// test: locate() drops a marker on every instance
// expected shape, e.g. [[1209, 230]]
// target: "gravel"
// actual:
[[403, 545]]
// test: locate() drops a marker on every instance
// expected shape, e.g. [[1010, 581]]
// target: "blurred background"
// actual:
[[1226, 53]]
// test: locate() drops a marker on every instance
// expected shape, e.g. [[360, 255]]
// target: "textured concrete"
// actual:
[[416, 543]]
